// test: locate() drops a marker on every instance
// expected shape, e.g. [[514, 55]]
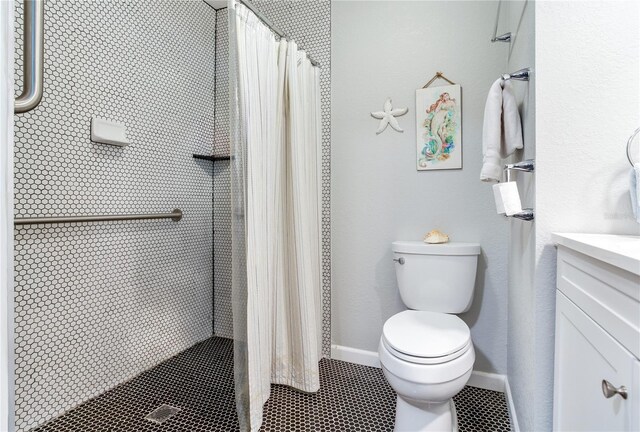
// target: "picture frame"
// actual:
[[439, 128]]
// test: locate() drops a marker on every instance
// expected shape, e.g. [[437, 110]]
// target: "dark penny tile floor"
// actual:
[[199, 382]]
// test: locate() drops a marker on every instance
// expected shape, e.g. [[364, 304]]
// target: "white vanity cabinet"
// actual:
[[597, 346]]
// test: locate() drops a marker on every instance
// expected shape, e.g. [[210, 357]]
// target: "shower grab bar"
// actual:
[[175, 216], [33, 57]]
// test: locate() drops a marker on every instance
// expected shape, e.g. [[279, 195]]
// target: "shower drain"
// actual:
[[162, 414]]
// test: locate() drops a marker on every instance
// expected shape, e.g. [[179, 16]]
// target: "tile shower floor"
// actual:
[[199, 381]]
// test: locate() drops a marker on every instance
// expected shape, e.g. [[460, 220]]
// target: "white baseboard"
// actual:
[[484, 380], [487, 381], [512, 408], [355, 355]]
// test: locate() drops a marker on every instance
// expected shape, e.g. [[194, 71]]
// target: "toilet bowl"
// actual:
[[427, 358]]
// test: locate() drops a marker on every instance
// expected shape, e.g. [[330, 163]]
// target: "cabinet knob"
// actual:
[[399, 260], [609, 390]]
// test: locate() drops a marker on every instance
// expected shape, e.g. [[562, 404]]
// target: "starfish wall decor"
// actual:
[[387, 117]]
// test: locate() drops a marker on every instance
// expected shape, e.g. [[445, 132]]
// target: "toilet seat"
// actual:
[[426, 360], [425, 374], [423, 337]]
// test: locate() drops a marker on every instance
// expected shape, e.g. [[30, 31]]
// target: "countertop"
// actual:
[[622, 251]]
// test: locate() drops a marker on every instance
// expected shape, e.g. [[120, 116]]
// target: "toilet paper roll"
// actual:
[[498, 198], [507, 198]]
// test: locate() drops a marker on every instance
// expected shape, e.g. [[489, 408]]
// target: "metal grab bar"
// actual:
[[33, 57], [175, 216], [525, 215], [528, 165], [504, 37], [519, 75]]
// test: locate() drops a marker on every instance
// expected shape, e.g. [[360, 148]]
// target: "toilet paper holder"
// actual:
[[527, 165]]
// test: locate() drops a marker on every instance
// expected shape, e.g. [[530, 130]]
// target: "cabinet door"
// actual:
[[586, 355]]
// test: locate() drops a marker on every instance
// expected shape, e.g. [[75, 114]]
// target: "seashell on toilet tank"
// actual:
[[435, 237]]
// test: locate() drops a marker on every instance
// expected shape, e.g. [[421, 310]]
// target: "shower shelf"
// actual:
[[212, 157]]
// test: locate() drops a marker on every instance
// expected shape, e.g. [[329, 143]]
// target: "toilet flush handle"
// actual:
[[399, 260]]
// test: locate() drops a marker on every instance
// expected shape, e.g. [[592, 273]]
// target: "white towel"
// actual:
[[502, 130], [634, 190]]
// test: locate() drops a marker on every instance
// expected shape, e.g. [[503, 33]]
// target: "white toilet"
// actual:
[[426, 352]]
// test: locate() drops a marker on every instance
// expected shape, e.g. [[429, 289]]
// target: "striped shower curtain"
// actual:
[[276, 214]]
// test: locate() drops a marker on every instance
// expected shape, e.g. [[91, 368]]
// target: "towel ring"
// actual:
[[637, 131]]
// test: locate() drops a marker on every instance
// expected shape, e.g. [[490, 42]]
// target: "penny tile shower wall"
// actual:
[[98, 303], [223, 319], [309, 23]]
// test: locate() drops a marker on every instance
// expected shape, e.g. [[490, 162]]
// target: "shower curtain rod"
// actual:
[[271, 26]]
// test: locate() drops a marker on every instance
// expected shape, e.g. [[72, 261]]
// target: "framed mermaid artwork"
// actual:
[[438, 127]]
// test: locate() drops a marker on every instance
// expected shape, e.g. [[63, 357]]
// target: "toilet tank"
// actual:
[[436, 277]]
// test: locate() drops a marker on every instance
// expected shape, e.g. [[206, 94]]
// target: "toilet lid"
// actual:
[[426, 334]]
